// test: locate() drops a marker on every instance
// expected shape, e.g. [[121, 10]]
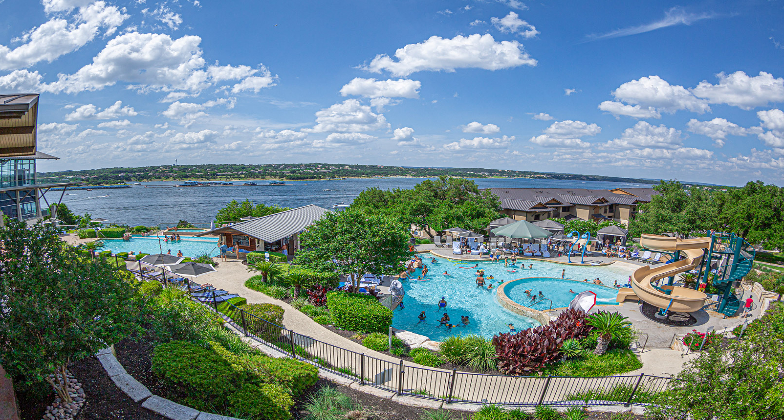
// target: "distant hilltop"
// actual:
[[305, 171]]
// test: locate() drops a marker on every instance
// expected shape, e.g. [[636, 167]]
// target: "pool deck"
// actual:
[[593, 261]]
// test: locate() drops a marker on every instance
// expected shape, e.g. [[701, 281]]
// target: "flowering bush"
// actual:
[[693, 340], [318, 295]]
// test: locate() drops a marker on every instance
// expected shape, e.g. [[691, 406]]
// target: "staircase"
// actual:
[[742, 262]]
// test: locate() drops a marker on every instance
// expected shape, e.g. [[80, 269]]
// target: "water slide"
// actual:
[[672, 298]]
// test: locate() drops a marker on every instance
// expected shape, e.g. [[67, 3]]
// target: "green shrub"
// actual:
[[266, 311], [269, 288], [613, 362], [575, 413], [105, 254], [357, 312], [182, 366], [571, 348], [111, 233], [231, 307], [380, 342], [262, 402], [255, 257], [141, 255], [314, 311], [493, 412], [425, 357], [87, 233], [621, 339], [323, 319], [141, 229], [122, 255], [150, 288], [472, 350], [328, 403], [545, 412], [295, 375]]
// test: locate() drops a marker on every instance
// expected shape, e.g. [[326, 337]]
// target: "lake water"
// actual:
[[154, 203]]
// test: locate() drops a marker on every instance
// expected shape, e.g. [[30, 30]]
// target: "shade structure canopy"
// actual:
[[613, 231], [522, 230], [456, 231], [161, 259], [550, 225], [500, 222], [470, 235], [191, 269]]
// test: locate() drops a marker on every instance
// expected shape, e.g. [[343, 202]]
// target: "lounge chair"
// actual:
[[456, 248], [546, 254], [656, 258], [449, 242], [645, 256], [437, 241], [634, 255]]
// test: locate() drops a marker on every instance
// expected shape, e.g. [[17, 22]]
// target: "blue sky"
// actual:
[[689, 91]]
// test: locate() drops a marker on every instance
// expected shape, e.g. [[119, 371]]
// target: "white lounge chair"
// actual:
[[456, 248], [645, 256], [656, 258], [437, 241]]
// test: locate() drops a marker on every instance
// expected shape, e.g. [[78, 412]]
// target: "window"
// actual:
[[536, 217], [241, 240]]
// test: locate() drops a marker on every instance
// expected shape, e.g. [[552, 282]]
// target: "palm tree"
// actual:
[[607, 325], [298, 278], [269, 270]]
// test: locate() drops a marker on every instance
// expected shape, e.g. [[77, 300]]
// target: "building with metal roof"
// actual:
[[533, 204], [269, 233], [20, 191]]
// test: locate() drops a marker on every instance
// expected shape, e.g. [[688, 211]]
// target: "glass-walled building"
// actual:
[[20, 192]]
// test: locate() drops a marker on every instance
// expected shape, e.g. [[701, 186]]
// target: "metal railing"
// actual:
[[450, 386]]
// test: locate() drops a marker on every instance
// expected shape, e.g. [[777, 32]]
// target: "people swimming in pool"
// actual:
[[514, 259], [446, 273], [572, 291], [468, 268], [442, 302], [434, 261], [425, 270], [422, 316], [528, 292], [512, 328], [506, 262], [541, 295], [480, 281], [511, 271], [563, 273], [490, 286], [530, 266], [449, 326], [445, 319], [464, 319]]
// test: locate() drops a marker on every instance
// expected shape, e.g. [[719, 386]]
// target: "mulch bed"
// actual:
[[673, 318], [32, 400]]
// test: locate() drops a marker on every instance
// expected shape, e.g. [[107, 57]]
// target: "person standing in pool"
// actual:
[[445, 319], [480, 281], [442, 303], [422, 316], [506, 261], [512, 328], [464, 320], [563, 273]]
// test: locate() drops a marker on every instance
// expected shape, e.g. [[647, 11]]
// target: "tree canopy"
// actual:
[[351, 242], [755, 212], [59, 305], [438, 204], [583, 226], [234, 211]]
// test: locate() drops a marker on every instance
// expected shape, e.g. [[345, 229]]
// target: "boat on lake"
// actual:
[[276, 183]]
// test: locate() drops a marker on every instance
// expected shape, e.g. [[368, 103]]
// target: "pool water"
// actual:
[[155, 245], [557, 292], [463, 297]]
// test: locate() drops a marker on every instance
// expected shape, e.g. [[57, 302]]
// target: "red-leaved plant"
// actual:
[[529, 350], [318, 295]]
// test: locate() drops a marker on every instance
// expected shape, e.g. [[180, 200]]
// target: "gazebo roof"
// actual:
[[549, 225], [613, 231], [275, 226]]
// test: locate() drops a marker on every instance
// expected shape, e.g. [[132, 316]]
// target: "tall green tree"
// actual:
[[64, 214], [755, 212], [353, 243], [235, 210], [676, 209], [59, 307]]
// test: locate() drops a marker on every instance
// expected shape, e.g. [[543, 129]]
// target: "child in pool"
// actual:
[[445, 319], [442, 303], [512, 328], [490, 286], [422, 316], [464, 319], [530, 266], [446, 273]]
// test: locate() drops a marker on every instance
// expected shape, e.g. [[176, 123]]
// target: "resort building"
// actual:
[[269, 233], [533, 204], [20, 191]]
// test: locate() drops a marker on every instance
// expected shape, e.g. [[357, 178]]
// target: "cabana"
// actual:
[[269, 233], [550, 225], [613, 231]]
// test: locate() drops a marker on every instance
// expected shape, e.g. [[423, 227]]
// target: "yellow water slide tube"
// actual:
[[679, 299]]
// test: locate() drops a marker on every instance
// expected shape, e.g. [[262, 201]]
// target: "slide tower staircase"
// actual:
[[737, 259]]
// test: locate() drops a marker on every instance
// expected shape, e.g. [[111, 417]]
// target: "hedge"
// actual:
[[357, 312], [266, 311], [111, 233], [265, 402], [122, 255], [255, 257], [226, 307], [86, 233], [150, 288], [190, 369]]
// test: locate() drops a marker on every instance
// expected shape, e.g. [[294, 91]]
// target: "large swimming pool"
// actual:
[[486, 315], [190, 247]]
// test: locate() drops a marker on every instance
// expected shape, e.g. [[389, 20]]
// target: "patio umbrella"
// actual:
[[470, 235], [456, 230], [161, 259], [523, 230], [191, 269]]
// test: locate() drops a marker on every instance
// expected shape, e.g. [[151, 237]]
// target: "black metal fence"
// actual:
[[431, 383]]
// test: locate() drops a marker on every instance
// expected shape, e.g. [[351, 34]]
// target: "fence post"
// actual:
[[628, 403], [400, 379], [214, 301], [293, 349], [451, 387], [362, 369], [244, 326], [544, 391]]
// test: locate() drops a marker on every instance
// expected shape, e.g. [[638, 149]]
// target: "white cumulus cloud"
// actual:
[[740, 90], [403, 133], [512, 23], [372, 88], [655, 92], [90, 111], [634, 111], [566, 133], [436, 54], [476, 127], [114, 124], [57, 36], [717, 129], [542, 116], [348, 116], [644, 135], [480, 143]]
